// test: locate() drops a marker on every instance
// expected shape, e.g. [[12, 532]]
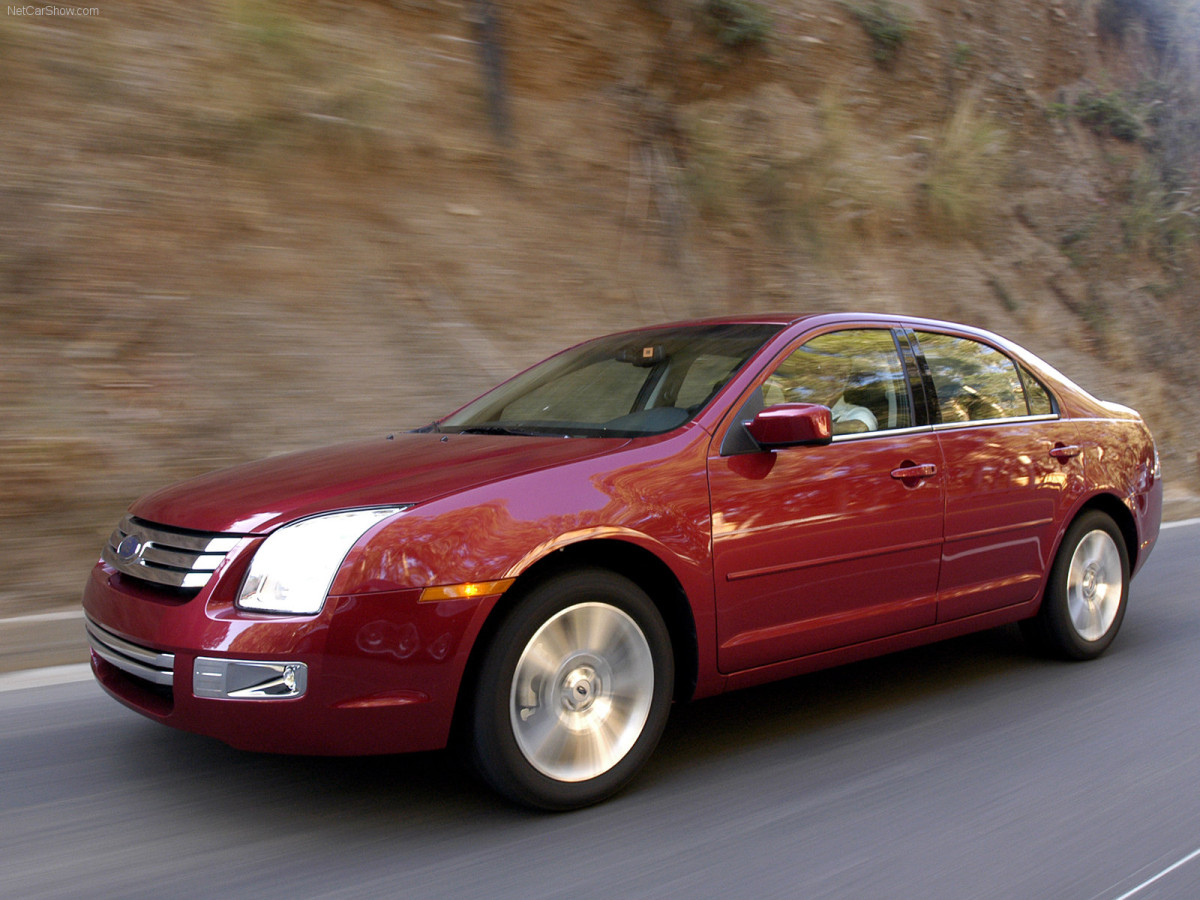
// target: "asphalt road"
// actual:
[[963, 770]]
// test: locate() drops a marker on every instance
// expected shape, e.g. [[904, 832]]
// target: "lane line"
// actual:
[[62, 616], [1182, 523], [1167, 871], [32, 678]]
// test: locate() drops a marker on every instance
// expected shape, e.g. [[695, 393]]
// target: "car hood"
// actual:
[[410, 468]]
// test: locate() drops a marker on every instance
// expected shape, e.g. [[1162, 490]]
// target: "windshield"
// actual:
[[624, 385]]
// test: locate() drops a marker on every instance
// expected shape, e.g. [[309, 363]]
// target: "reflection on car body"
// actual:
[[736, 501]]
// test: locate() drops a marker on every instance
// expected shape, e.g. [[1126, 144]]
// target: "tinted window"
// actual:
[[1040, 403], [624, 385], [856, 373], [598, 392], [706, 373], [972, 380]]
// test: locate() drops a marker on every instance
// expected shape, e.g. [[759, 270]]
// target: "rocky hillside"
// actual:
[[230, 229]]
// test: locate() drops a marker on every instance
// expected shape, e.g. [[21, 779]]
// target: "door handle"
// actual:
[[904, 473], [1062, 452]]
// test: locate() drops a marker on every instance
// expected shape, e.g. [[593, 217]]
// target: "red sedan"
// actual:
[[653, 516]]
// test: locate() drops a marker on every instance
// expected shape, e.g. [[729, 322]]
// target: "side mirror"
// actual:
[[788, 424]]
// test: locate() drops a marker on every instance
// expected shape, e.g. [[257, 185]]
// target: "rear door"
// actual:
[[1010, 468]]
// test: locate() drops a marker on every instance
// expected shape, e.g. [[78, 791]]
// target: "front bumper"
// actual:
[[372, 673]]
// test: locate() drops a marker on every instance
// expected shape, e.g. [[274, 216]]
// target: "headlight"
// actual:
[[295, 566]]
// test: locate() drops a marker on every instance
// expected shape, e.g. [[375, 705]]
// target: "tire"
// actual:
[[1086, 592], [573, 692]]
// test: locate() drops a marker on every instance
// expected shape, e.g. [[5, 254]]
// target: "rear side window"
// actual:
[[1040, 403], [973, 381]]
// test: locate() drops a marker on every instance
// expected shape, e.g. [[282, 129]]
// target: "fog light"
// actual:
[[238, 679]]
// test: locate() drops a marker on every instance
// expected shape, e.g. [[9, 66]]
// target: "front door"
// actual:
[[817, 547]]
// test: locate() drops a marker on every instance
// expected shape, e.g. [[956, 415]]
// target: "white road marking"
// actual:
[[1182, 523], [62, 616], [1167, 871], [31, 678]]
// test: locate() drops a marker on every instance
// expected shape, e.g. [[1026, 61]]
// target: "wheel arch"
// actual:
[[1112, 507], [640, 566], [1054, 629]]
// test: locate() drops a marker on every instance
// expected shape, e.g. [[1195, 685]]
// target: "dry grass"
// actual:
[[1161, 223], [832, 184], [855, 186], [967, 168]]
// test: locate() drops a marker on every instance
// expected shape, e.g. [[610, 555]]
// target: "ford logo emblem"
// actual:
[[129, 547]]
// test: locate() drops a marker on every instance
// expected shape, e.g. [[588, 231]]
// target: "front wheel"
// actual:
[[1086, 592], [573, 691]]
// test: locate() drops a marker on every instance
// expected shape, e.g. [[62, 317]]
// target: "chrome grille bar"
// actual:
[[147, 664], [163, 555]]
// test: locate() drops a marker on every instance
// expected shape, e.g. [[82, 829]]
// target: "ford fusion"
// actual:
[[646, 518]]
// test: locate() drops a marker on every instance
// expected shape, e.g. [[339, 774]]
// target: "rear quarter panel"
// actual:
[[1119, 459]]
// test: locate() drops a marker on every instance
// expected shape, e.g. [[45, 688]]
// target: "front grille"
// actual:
[[168, 556], [142, 662]]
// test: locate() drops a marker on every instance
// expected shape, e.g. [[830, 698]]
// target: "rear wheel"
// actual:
[[573, 691], [1086, 592]]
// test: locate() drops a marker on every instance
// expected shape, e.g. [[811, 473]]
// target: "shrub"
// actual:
[[1110, 114], [887, 25], [737, 23], [1159, 221]]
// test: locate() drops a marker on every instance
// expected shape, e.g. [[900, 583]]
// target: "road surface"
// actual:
[[964, 770]]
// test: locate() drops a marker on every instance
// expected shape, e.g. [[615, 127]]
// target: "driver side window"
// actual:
[[856, 373]]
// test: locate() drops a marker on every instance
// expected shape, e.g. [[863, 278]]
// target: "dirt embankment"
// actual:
[[230, 229]]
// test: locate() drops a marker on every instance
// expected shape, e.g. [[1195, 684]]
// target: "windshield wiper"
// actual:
[[499, 429]]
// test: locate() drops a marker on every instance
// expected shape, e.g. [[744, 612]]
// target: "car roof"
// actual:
[[833, 317], [788, 319]]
